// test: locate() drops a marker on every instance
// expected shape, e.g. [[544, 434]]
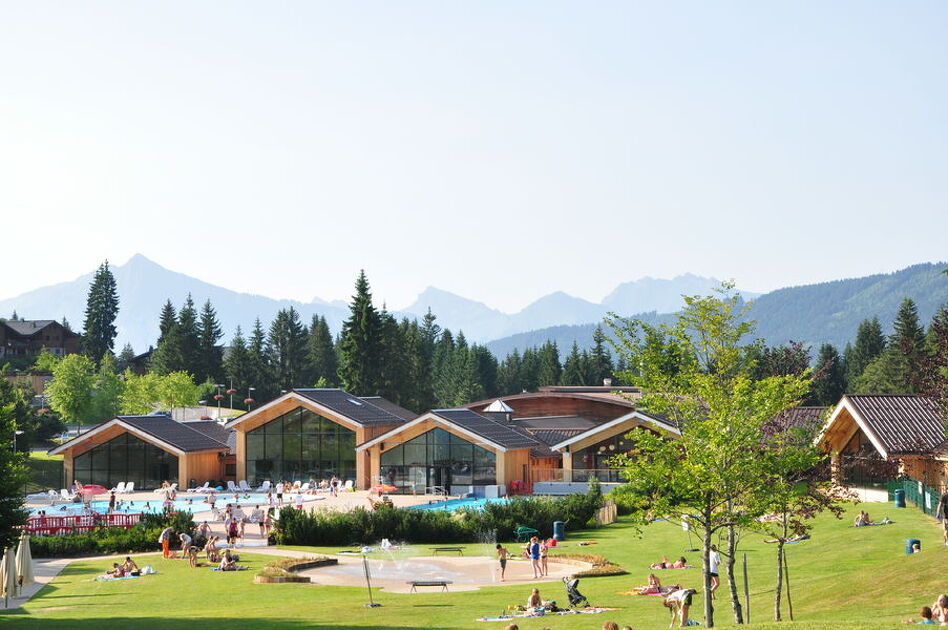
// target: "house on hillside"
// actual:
[[24, 339], [882, 435]]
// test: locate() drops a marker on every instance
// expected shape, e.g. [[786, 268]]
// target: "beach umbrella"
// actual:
[[383, 487], [24, 562], [94, 489], [7, 576]]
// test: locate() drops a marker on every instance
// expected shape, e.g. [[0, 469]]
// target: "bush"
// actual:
[[111, 540], [495, 522]]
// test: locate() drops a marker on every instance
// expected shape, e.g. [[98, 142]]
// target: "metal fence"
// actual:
[[925, 498]]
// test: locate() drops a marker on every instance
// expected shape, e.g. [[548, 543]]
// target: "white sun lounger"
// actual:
[[203, 488], [264, 487], [66, 495], [243, 486], [129, 487], [231, 487], [120, 488], [348, 486]]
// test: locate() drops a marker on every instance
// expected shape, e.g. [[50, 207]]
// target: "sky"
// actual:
[[499, 150]]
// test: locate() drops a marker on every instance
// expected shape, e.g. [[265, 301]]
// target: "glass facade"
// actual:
[[300, 445], [438, 458], [591, 461], [125, 458]]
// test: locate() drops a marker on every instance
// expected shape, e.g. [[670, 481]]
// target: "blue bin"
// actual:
[[559, 530], [909, 543], [899, 498]]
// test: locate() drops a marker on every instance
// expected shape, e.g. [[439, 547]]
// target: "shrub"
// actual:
[[111, 540]]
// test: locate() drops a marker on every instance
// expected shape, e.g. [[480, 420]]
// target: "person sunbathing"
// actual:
[[862, 519], [654, 585], [664, 564], [926, 617], [534, 601], [130, 567], [940, 609], [680, 563], [229, 562]]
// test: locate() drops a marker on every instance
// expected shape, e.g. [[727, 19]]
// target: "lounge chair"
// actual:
[[304, 488], [42, 496], [264, 487], [120, 488], [129, 487], [231, 487], [203, 488], [243, 486], [66, 495], [173, 488], [348, 487]]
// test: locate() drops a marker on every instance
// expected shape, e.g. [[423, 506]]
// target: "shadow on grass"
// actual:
[[14, 619]]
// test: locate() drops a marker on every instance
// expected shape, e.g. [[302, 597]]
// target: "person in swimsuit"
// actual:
[[544, 569], [534, 550], [130, 567], [534, 601], [941, 513], [679, 603], [502, 554]]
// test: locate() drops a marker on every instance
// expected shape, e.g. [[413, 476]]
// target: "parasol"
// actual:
[[24, 562], [7, 576], [94, 489], [383, 487]]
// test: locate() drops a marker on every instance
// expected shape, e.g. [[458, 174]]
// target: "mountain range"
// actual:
[[812, 313]]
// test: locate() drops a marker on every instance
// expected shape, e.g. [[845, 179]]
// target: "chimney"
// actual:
[[607, 382]]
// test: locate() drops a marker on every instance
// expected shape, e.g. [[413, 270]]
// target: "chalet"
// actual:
[[906, 431], [26, 338]]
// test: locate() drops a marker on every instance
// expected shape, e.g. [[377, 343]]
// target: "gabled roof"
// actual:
[[177, 436], [657, 421], [599, 396], [212, 429], [389, 406], [28, 327], [357, 411], [470, 423], [809, 418], [897, 424]]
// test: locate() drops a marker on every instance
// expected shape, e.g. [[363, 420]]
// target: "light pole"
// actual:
[[231, 391], [248, 400], [16, 433], [218, 397]]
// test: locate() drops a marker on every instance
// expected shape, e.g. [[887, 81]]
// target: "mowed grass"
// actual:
[[842, 578], [46, 472]]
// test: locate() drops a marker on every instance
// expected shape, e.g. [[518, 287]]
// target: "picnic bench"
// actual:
[[435, 550], [416, 583]]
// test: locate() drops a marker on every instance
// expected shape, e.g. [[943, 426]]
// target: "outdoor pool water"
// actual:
[[155, 505], [456, 504]]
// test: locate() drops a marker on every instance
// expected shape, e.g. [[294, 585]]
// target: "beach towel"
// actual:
[[229, 570], [638, 592], [110, 578], [591, 610], [687, 566], [872, 524]]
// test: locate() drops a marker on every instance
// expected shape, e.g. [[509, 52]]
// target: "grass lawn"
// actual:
[[841, 578], [45, 472]]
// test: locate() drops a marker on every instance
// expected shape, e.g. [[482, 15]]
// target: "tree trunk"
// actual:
[[705, 551], [779, 586], [731, 579]]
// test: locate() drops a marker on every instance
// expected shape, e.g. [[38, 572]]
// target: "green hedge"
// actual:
[[112, 540], [495, 522]]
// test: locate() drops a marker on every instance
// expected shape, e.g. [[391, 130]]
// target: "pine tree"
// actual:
[[530, 370], [486, 367], [167, 357], [321, 353], [429, 333], [869, 344], [189, 338], [573, 373], [211, 355], [359, 345], [237, 365], [550, 368], [908, 339], [167, 320], [829, 383], [445, 378], [600, 360], [102, 307], [509, 377], [124, 359], [936, 384], [261, 373], [286, 349], [393, 358]]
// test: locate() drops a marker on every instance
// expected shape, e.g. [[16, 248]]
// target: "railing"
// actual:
[[58, 525], [925, 498], [577, 475]]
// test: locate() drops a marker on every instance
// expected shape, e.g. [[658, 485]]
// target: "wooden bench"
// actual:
[[416, 583], [435, 550]]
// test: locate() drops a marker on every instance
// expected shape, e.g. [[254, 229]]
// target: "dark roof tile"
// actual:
[[904, 424], [177, 434], [500, 434], [352, 407]]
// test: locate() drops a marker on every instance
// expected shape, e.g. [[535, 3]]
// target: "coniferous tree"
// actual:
[[393, 359], [908, 339], [509, 374], [530, 370], [829, 382], [124, 359], [549, 364], [286, 349], [238, 366], [445, 376], [167, 357], [189, 337], [359, 343], [211, 355], [573, 372], [869, 344], [429, 333], [260, 370], [486, 366], [321, 352], [600, 359], [102, 306], [167, 320], [936, 370]]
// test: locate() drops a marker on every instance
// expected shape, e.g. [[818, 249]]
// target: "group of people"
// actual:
[[934, 615], [126, 569], [537, 551], [607, 625]]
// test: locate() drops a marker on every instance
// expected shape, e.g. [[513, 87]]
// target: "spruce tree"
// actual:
[[321, 353], [829, 383], [237, 365], [189, 338], [600, 359], [124, 359], [102, 307], [261, 374], [393, 358], [936, 384], [167, 320], [530, 370], [211, 355], [429, 333], [869, 344], [573, 373], [286, 349], [359, 345], [908, 339], [445, 377], [550, 368], [509, 377], [167, 357], [486, 367]]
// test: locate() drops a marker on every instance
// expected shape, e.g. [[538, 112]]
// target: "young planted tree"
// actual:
[[710, 472], [102, 306]]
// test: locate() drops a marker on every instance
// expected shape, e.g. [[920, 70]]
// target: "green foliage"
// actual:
[[151, 391], [359, 344], [45, 362], [210, 355], [360, 526], [112, 540], [70, 392], [102, 306], [829, 382], [286, 349], [869, 344], [13, 476], [321, 352]]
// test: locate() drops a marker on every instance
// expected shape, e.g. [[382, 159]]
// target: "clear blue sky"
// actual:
[[498, 150]]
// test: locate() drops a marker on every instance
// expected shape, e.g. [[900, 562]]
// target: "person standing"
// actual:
[[534, 551], [165, 539], [942, 513], [714, 561], [502, 554], [111, 501], [544, 568]]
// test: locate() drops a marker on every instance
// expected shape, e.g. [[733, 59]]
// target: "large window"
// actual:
[[592, 460], [438, 459], [300, 445], [125, 458]]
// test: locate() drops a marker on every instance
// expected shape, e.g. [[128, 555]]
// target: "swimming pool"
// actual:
[[152, 506], [456, 504]]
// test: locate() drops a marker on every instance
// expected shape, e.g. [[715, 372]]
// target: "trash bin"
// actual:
[[899, 498], [559, 530], [911, 542]]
